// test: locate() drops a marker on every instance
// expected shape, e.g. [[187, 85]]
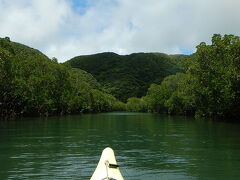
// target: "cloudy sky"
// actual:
[[67, 28]]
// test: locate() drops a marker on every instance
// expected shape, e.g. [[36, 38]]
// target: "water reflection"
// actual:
[[147, 146]]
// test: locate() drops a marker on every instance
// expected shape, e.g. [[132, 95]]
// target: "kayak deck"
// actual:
[[107, 167]]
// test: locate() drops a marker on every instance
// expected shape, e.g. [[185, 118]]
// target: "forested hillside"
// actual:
[[32, 84], [129, 75], [210, 87], [206, 83]]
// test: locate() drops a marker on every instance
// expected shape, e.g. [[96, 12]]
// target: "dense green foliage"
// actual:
[[217, 71], [32, 84], [174, 95], [209, 84], [136, 105], [130, 75], [210, 87]]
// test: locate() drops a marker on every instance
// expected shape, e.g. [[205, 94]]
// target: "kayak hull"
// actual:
[[107, 167]]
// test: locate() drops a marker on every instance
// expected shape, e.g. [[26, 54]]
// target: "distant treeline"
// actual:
[[210, 86], [31, 84], [206, 83], [126, 76]]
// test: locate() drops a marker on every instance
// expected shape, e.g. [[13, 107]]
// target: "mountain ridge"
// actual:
[[130, 75]]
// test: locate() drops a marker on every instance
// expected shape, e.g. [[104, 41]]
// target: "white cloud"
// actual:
[[59, 29]]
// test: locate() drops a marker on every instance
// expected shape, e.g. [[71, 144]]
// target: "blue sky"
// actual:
[[80, 6], [81, 3], [67, 28], [186, 51]]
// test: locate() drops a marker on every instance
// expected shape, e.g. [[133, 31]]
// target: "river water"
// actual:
[[147, 146]]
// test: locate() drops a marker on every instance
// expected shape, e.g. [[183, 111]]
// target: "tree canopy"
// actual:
[[206, 83], [32, 84], [129, 75], [210, 86]]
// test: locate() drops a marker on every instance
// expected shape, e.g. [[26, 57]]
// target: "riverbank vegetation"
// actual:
[[210, 86], [206, 83], [32, 84]]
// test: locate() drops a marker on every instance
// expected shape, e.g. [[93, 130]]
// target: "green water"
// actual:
[[147, 146]]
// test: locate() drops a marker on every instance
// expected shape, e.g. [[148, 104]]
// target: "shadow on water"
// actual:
[[147, 146]]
